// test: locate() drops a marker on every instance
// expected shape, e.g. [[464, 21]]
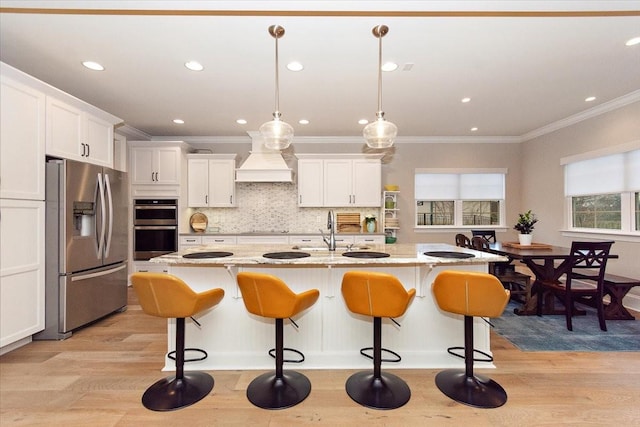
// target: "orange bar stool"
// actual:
[[268, 296], [377, 295], [470, 294], [164, 295]]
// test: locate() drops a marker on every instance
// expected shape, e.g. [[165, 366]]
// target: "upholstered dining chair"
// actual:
[[589, 260], [167, 296]]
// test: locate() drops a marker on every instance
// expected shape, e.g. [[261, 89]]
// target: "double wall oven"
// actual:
[[155, 228]]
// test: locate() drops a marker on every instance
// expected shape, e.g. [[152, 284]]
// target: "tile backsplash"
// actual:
[[270, 207]]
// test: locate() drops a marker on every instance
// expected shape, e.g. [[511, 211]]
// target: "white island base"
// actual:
[[329, 335]]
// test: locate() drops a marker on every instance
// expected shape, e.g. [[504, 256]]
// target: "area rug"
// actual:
[[549, 332]]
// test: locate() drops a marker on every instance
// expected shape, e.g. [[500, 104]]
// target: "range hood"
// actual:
[[263, 164]]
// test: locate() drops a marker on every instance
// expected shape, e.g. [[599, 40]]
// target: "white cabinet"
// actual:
[[75, 134], [149, 267], [368, 240], [262, 239], [192, 241], [211, 181], [339, 180], [219, 240], [155, 165], [310, 183], [307, 240], [22, 141], [22, 282]]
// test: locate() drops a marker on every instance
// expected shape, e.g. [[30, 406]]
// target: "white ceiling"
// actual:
[[522, 73]]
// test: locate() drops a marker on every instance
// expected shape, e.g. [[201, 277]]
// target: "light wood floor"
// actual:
[[97, 377]]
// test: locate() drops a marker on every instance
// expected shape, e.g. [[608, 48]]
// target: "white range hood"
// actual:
[[263, 164]]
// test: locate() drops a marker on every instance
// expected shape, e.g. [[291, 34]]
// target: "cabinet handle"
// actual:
[[300, 198], [83, 149], [206, 199], [230, 200], [88, 150], [152, 174]]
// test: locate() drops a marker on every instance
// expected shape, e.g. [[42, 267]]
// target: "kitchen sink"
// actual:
[[365, 254], [207, 255], [324, 248]]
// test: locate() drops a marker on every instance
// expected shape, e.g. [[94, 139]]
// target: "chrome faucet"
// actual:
[[331, 225]]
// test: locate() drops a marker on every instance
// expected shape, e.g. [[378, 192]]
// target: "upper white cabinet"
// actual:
[[339, 180], [22, 139], [73, 133], [211, 180], [155, 165]]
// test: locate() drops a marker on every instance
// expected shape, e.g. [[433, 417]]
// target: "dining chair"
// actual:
[[488, 235], [462, 241], [518, 283], [589, 261]]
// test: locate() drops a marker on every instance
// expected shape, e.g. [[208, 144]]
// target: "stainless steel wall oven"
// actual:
[[155, 228]]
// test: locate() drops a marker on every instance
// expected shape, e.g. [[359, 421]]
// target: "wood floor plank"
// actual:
[[97, 378]]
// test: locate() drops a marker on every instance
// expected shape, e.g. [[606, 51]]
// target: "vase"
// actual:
[[525, 239], [371, 226]]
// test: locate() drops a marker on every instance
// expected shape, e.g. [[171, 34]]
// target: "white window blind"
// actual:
[[449, 186], [614, 173]]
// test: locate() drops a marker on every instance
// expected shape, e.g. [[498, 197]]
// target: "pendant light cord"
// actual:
[[276, 114], [379, 74]]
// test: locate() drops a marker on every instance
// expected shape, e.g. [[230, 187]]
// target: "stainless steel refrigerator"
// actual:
[[86, 245]]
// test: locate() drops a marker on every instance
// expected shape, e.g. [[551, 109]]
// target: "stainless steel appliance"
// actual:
[[155, 228], [86, 245]]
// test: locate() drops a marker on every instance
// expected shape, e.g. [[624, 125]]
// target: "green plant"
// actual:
[[526, 222]]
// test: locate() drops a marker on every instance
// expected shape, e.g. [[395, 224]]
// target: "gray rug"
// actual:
[[549, 333]]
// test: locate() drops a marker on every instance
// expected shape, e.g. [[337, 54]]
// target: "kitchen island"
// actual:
[[329, 335]]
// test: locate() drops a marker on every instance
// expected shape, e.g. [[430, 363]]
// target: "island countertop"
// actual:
[[399, 254]]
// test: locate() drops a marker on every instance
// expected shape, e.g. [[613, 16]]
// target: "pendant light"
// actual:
[[277, 134], [381, 133]]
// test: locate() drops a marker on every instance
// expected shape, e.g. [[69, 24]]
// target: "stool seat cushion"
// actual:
[[268, 296], [375, 294], [470, 293], [167, 296]]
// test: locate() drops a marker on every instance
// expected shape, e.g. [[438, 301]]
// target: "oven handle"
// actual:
[[155, 227], [156, 207]]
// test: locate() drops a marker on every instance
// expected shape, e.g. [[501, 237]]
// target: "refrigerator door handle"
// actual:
[[98, 274], [107, 185], [102, 215]]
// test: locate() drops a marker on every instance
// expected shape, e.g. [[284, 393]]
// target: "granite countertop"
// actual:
[[400, 254], [274, 233]]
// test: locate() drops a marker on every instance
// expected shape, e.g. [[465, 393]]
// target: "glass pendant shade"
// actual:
[[277, 135], [380, 134]]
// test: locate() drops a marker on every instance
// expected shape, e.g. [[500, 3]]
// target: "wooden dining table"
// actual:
[[547, 262]]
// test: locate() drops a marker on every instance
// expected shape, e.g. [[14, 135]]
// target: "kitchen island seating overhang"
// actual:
[[331, 339]]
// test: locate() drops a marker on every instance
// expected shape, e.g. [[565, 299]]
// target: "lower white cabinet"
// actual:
[[22, 284], [149, 267]]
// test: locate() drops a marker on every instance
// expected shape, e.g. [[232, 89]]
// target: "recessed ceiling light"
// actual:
[[303, 121], [194, 66], [241, 121], [295, 66], [178, 121], [93, 66], [590, 98], [363, 121], [632, 42], [465, 100], [389, 66], [474, 129]]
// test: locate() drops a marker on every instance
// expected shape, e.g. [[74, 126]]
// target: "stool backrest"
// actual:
[[488, 235], [479, 243], [470, 293], [268, 296], [375, 294], [165, 295]]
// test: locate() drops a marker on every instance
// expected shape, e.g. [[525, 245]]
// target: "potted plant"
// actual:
[[525, 226], [370, 222]]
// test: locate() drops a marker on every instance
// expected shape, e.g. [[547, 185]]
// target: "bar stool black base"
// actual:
[[269, 392], [476, 390], [385, 392], [171, 393]]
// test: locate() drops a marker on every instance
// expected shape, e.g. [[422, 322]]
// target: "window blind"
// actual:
[[449, 186], [614, 173]]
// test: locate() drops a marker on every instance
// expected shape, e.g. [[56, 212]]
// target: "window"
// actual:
[[602, 191], [455, 198]]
